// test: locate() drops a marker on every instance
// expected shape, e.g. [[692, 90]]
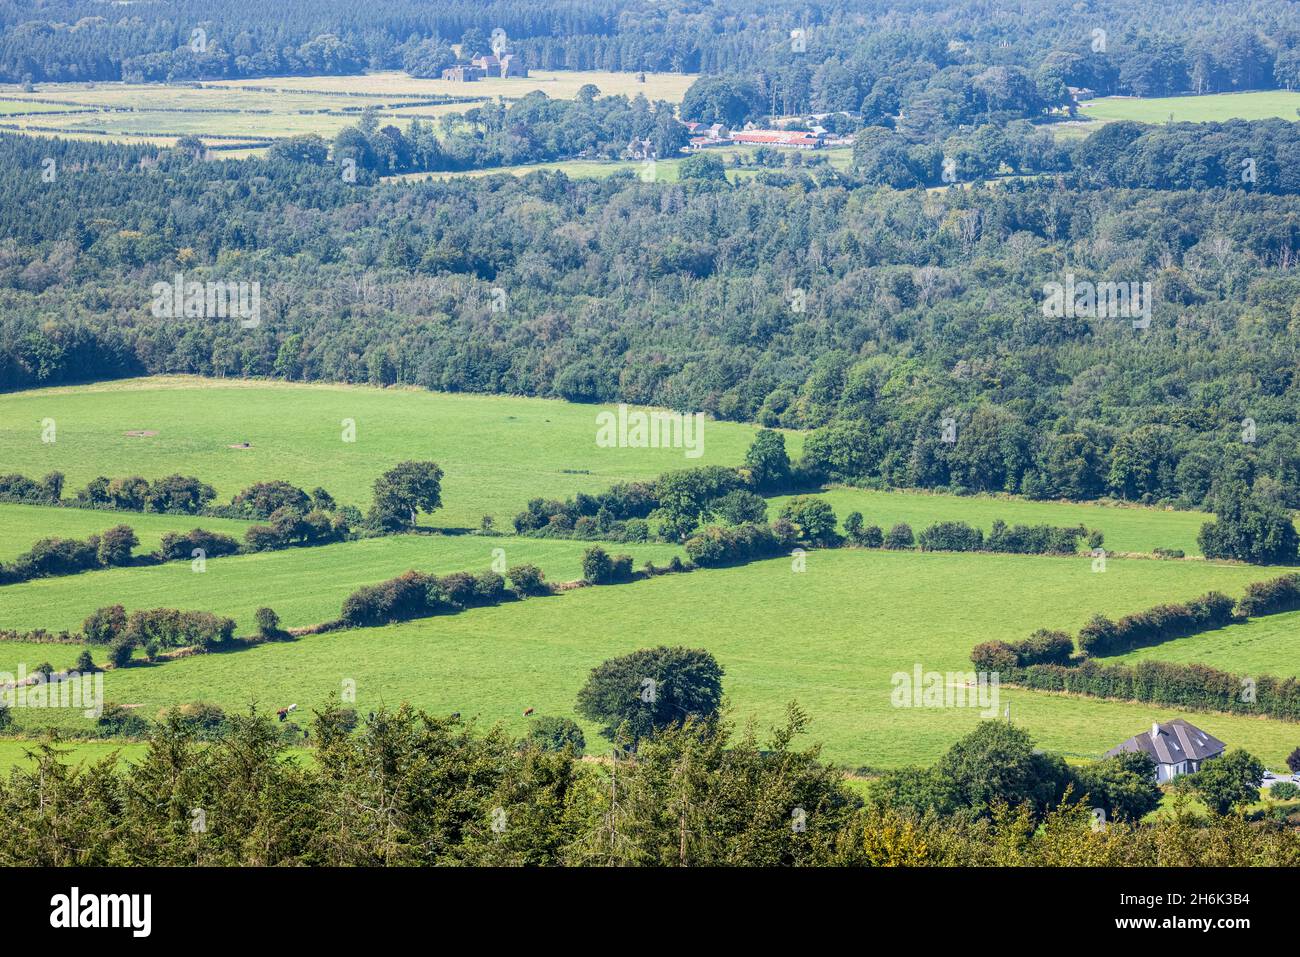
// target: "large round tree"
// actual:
[[635, 695]]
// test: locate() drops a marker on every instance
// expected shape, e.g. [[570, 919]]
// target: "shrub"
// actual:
[[85, 663], [1270, 597], [994, 657], [174, 546], [268, 622], [597, 568], [555, 734], [264, 498], [739, 506], [104, 625], [812, 517], [120, 651], [528, 580], [1162, 623], [715, 546], [121, 721], [951, 537], [1284, 791], [115, 545], [900, 536], [489, 588], [172, 628], [872, 537], [621, 568]]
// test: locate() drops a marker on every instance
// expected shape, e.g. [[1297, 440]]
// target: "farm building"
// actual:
[[1177, 747], [463, 74], [792, 139]]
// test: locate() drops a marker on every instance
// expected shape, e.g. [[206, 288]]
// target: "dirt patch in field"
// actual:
[[141, 433], [240, 445]]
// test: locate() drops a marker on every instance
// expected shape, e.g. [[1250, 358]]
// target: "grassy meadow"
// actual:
[[497, 451], [1210, 107], [305, 586], [21, 525], [1268, 646], [830, 638]]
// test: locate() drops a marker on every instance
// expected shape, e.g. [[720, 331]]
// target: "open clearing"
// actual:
[[497, 451], [830, 638]]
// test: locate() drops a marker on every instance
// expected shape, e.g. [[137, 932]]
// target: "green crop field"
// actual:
[[497, 452], [304, 585], [21, 525], [1127, 529], [830, 638]]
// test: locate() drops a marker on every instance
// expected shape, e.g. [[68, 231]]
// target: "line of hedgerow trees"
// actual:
[[291, 516], [680, 788], [1048, 661]]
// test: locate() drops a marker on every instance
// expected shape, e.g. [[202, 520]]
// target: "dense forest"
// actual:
[[865, 54], [908, 325]]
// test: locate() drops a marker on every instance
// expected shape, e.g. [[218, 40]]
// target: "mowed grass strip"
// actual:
[[497, 452], [1126, 529], [21, 525], [305, 586], [831, 638]]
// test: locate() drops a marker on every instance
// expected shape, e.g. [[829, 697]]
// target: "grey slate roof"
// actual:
[[1174, 742]]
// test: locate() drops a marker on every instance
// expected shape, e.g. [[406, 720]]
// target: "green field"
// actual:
[[497, 452], [1267, 646], [830, 638], [1127, 529], [305, 586], [1212, 107], [21, 525]]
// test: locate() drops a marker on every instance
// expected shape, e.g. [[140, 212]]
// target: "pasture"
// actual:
[[1268, 646], [1127, 528], [497, 451], [1210, 107], [21, 525], [831, 638], [305, 586]]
